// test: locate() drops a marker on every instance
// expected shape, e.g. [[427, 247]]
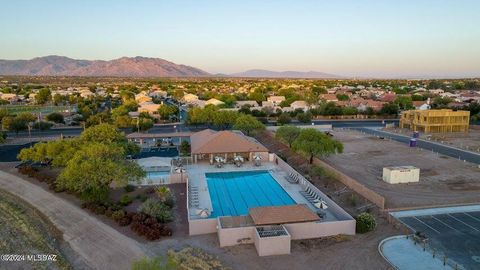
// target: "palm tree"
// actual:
[[163, 193]]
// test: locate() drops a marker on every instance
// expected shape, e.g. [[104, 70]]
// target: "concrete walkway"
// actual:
[[100, 246], [402, 254]]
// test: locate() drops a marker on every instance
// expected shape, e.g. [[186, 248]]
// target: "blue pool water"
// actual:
[[157, 175], [233, 193]]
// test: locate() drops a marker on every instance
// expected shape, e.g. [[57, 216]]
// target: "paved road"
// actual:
[[99, 245], [75, 131], [442, 149]]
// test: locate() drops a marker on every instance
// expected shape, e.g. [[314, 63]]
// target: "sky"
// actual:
[[383, 38]]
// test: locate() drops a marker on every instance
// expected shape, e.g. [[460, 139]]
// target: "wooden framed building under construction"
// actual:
[[435, 121]]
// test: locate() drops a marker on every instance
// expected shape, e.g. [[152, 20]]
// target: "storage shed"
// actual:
[[401, 174]]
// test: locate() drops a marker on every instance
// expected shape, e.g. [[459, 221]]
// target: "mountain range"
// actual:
[[123, 67], [261, 73], [54, 65]]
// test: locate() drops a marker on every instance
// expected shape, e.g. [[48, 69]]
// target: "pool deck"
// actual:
[[196, 178]]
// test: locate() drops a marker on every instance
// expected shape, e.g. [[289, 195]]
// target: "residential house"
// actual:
[[142, 98], [421, 105], [276, 100], [299, 104], [214, 101], [241, 103], [329, 97], [9, 97], [189, 98], [148, 107]]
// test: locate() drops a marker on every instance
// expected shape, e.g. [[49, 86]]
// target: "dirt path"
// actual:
[[100, 246]]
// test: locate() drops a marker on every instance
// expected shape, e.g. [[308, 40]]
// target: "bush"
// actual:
[[100, 210], [125, 221], [170, 201], [27, 170], [125, 200], [142, 197], [129, 188], [365, 223], [117, 215], [156, 209], [139, 217]]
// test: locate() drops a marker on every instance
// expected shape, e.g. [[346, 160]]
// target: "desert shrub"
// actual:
[[117, 215], [157, 263], [125, 200], [156, 209], [365, 223], [195, 258], [353, 200], [100, 210], [139, 228], [170, 201], [129, 188], [139, 217], [142, 197], [150, 221], [27, 170], [150, 190], [108, 212], [124, 221], [166, 231]]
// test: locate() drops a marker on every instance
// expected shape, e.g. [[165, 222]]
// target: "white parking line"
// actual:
[[463, 222], [426, 225], [471, 216], [446, 224]]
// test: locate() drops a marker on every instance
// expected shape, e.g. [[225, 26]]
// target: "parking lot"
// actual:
[[456, 235]]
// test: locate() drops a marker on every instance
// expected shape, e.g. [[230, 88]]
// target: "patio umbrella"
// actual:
[[204, 213]]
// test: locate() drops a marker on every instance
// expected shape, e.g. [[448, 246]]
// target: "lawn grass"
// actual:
[[16, 109]]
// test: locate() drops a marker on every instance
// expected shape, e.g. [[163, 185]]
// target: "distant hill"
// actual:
[[260, 73], [123, 67]]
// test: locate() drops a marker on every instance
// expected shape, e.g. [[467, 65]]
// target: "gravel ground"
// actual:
[[443, 180]]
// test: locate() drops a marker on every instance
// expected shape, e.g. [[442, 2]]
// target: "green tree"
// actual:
[[185, 148], [349, 110], [224, 119], [404, 102], [389, 109], [103, 133], [26, 117], [167, 112], [343, 97], [55, 117], [43, 96], [248, 124], [314, 143], [441, 102], [3, 113], [284, 118], [287, 134], [304, 117], [94, 167]]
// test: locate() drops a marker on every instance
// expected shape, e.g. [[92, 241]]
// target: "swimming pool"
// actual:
[[157, 177], [233, 193]]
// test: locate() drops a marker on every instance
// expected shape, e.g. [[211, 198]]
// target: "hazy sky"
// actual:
[[355, 38]]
